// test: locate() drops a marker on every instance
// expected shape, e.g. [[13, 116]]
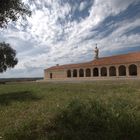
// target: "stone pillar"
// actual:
[[84, 72], [127, 71], [117, 71], [99, 70], [78, 73], [107, 71], [91, 72]]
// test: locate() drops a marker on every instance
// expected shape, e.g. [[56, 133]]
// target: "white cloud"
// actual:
[[82, 5], [51, 37]]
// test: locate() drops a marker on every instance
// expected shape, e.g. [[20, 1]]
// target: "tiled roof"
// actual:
[[111, 60]]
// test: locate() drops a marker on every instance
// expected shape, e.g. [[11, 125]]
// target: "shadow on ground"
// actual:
[[8, 98], [93, 120], [82, 121]]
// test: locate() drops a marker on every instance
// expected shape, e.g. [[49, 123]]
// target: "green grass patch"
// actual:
[[102, 110]]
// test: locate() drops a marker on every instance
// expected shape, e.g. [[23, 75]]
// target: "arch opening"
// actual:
[[81, 73], [122, 70], [112, 71], [69, 73], [74, 73], [88, 72], [103, 71], [95, 72], [133, 70]]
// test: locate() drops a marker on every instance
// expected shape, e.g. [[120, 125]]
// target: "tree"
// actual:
[[11, 10], [7, 57]]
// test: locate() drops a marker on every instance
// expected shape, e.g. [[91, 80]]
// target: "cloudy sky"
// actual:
[[66, 31]]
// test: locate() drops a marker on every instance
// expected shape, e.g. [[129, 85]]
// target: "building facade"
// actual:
[[113, 67]]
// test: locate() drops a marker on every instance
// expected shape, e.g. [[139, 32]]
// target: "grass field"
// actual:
[[102, 110]]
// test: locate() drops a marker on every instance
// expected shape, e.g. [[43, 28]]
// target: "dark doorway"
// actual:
[[69, 73], [51, 75]]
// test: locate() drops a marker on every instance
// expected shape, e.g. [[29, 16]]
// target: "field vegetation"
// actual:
[[102, 110]]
